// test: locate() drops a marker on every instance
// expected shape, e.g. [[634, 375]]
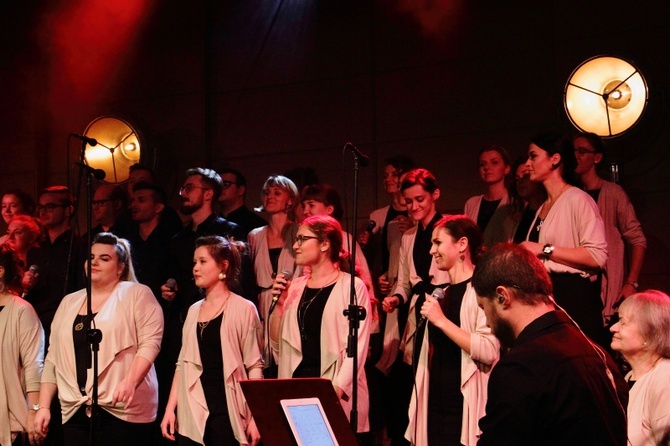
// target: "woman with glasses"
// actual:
[[271, 250], [491, 211], [308, 330], [568, 233], [222, 332], [131, 322]]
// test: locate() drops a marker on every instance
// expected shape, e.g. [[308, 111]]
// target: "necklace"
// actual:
[[203, 325], [305, 304]]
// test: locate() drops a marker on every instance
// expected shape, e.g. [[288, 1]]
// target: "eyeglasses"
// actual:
[[187, 188], [301, 238], [581, 151], [226, 184], [97, 203], [50, 207]]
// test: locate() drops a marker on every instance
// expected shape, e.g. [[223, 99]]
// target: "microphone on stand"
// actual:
[[90, 141], [438, 294], [288, 275], [363, 159]]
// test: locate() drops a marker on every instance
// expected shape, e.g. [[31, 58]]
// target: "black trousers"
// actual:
[[111, 431]]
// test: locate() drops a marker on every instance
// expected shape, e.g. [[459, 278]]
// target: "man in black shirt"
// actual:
[[554, 386], [232, 201]]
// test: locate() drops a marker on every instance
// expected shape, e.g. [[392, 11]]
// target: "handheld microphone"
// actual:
[[90, 141], [371, 225], [34, 269], [171, 283], [288, 275], [438, 294]]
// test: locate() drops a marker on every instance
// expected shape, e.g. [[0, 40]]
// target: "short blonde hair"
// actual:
[[651, 310]]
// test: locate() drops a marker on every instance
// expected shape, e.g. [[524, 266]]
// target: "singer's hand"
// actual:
[[364, 238], [384, 285], [431, 310], [404, 223], [28, 280], [168, 293], [169, 425], [389, 304], [279, 288], [253, 436]]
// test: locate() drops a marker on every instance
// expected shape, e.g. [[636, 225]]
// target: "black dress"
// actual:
[[218, 430], [445, 400]]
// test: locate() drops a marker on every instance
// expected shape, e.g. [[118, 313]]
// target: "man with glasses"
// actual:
[[622, 228], [109, 202], [200, 191], [554, 386], [59, 260], [232, 201]]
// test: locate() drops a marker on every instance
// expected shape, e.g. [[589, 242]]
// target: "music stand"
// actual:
[[264, 396]]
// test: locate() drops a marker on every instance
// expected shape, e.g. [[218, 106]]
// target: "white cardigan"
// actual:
[[335, 365], [240, 346], [574, 221], [131, 321], [475, 370]]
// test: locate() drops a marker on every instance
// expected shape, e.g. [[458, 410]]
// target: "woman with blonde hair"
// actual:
[[642, 336], [131, 321], [271, 249]]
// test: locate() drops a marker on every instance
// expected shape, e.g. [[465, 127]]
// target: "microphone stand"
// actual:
[[93, 335], [355, 313]]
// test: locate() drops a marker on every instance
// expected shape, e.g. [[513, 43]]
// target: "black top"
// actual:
[[486, 210], [50, 286], [552, 388], [213, 383], [390, 215], [445, 367], [310, 315], [594, 193], [421, 251], [82, 350], [246, 219], [534, 235], [274, 259], [524, 224]]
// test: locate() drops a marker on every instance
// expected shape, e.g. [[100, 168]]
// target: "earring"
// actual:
[[462, 256], [222, 275]]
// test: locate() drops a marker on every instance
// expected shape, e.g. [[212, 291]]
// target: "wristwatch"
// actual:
[[634, 284], [548, 250], [34, 407]]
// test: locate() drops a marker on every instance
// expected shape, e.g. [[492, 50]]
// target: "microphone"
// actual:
[[98, 174], [171, 283], [371, 225], [288, 275], [438, 294], [363, 159], [90, 141], [34, 269]]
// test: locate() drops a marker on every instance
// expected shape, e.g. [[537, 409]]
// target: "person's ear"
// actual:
[[598, 158], [503, 297], [436, 194]]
